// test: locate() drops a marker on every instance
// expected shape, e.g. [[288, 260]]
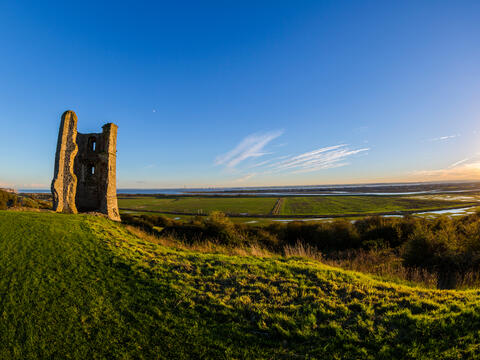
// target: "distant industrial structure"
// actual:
[[85, 170]]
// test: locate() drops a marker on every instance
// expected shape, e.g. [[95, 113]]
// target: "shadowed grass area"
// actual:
[[85, 287]]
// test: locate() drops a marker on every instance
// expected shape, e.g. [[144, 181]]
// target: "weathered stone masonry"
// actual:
[[85, 170]]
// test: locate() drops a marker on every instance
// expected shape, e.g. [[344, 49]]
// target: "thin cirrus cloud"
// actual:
[[250, 147], [245, 178], [464, 169], [323, 158], [459, 162], [253, 146], [441, 138], [262, 163]]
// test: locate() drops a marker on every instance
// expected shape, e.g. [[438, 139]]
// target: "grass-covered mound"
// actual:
[[84, 287]]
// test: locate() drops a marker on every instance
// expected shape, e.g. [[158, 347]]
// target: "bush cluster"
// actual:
[[338, 235], [216, 228], [9, 200], [447, 246]]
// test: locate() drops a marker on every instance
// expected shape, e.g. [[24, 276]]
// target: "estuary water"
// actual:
[[321, 190]]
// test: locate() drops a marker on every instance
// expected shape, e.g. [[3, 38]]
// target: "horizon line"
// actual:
[[272, 186]]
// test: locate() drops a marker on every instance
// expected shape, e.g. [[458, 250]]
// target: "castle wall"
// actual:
[[64, 184], [108, 200], [89, 169], [94, 168]]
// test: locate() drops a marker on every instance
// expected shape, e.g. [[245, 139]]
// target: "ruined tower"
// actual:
[[85, 170]]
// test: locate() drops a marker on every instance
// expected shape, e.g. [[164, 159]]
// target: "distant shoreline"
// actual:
[[320, 190]]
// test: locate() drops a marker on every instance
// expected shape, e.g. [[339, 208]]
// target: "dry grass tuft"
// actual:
[[303, 250], [384, 263]]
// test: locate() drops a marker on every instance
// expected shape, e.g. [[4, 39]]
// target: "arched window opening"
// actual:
[[92, 144], [92, 170]]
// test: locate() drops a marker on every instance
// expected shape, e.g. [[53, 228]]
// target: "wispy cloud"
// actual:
[[464, 169], [244, 178], [250, 147], [441, 138], [261, 163], [459, 162], [323, 158]]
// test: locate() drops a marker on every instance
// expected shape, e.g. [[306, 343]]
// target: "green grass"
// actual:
[[301, 205], [82, 287], [196, 204], [334, 205]]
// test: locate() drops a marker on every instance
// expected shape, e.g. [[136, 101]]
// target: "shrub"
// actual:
[[7, 200], [448, 247], [30, 203], [218, 226], [325, 236]]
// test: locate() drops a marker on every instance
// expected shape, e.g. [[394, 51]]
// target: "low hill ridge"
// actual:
[[85, 287]]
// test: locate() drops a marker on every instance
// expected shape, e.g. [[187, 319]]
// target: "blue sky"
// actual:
[[245, 93]]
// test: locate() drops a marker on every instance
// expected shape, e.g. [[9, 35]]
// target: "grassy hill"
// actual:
[[83, 287]]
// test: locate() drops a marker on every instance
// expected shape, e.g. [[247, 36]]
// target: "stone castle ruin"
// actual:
[[85, 170]]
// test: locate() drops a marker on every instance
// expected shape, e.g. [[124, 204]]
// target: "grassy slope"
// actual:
[[83, 287], [251, 205], [329, 205]]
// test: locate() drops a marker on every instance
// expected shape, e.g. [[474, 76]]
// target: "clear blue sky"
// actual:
[[245, 93]]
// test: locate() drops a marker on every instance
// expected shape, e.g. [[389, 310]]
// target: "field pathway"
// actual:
[[277, 207]]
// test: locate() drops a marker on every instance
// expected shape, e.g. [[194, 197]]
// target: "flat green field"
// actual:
[[334, 205], [301, 205], [83, 287], [198, 204]]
